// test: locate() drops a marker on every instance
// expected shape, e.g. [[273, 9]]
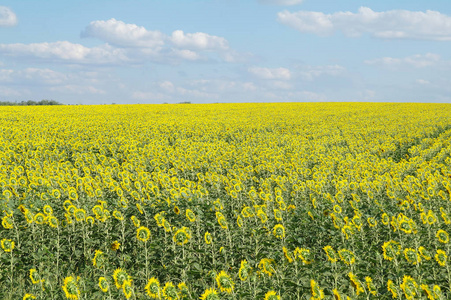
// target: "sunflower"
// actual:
[[127, 288], [331, 254], [385, 219], [103, 284], [7, 245], [99, 259], [222, 222], [405, 226], [263, 217], [424, 253], [190, 215], [279, 231], [391, 287], [153, 288], [272, 295], [247, 212], [355, 283], [371, 221], [442, 236], [303, 254], [412, 256], [391, 250], [28, 296], [336, 294], [428, 292], [287, 254], [347, 256], [409, 287], [53, 221], [29, 217], [48, 210], [7, 222], [135, 221], [120, 276], [239, 221], [317, 292], [34, 276], [80, 214], [183, 289], [139, 207], [181, 236], [431, 218], [40, 218], [265, 265], [441, 257], [169, 291], [207, 237], [437, 292], [70, 288], [118, 215], [243, 272], [210, 294], [347, 231], [176, 210], [143, 234], [277, 215], [224, 282]]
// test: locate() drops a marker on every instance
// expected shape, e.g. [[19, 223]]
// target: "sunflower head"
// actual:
[[143, 234], [7, 245], [331, 254], [347, 256], [103, 284], [224, 282], [210, 294], [442, 236], [272, 295], [279, 231], [70, 288], [208, 238], [169, 291], [153, 288]]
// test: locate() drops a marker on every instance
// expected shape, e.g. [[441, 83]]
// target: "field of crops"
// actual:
[[226, 201]]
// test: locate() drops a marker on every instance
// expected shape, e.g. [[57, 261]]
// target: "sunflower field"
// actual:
[[226, 201]]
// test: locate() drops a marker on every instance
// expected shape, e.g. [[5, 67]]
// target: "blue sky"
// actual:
[[110, 51]]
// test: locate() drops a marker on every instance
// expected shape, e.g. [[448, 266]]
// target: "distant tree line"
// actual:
[[30, 102]]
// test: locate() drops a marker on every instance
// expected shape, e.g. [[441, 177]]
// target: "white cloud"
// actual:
[[7, 17], [282, 85], [422, 81], [77, 89], [64, 51], [124, 35], [149, 96], [312, 72], [416, 61], [281, 2], [198, 41], [267, 73], [9, 92], [392, 24]]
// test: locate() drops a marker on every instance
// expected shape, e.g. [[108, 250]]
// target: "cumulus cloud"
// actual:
[[198, 40], [267, 73], [77, 89], [65, 51], [32, 76], [312, 72], [126, 44], [124, 35], [416, 61], [392, 24], [7, 17], [281, 2]]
